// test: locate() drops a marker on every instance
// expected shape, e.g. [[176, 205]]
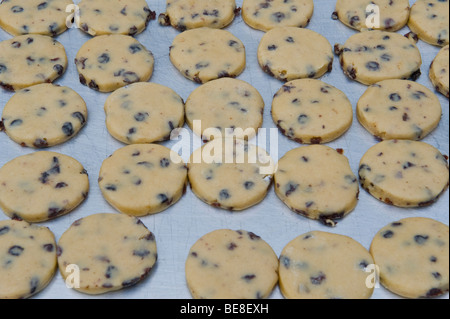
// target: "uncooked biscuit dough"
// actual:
[[143, 113], [289, 53], [28, 60], [317, 182], [439, 72], [41, 186], [429, 20], [399, 109], [44, 115], [389, 15], [206, 54], [108, 62], [128, 17], [228, 264], [412, 256], [312, 112], [321, 265], [228, 105], [143, 179], [110, 251], [265, 15], [28, 259], [404, 173], [191, 14]]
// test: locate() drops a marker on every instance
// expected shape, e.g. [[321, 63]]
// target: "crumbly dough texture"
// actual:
[[128, 17], [44, 115], [34, 16], [228, 105], [143, 113], [111, 251], [289, 53], [412, 256], [230, 173], [228, 264], [206, 54], [41, 186], [393, 15], [311, 111], [265, 15], [399, 109], [321, 265], [28, 258], [429, 20], [108, 62], [439, 71], [373, 56], [191, 14], [28, 60], [143, 179], [404, 173], [317, 182]]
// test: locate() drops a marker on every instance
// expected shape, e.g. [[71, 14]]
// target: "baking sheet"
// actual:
[[179, 227]]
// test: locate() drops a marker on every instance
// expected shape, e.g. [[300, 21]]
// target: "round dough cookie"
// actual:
[[399, 109], [191, 14], [312, 112], [143, 113], [392, 15], [41, 186], [429, 20], [230, 174], [228, 264], [28, 60], [108, 62], [439, 72], [206, 54], [143, 179], [373, 56], [34, 16], [44, 115], [317, 182], [232, 106], [265, 15], [404, 173], [128, 17], [321, 265], [412, 256], [28, 255], [110, 252], [289, 53]]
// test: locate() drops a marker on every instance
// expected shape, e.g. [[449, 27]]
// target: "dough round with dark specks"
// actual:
[[439, 71], [111, 251], [373, 56], [412, 256], [228, 264], [429, 20], [404, 173], [44, 115], [46, 17], [143, 179], [265, 15], [143, 113], [321, 265], [289, 53], [41, 186], [399, 109], [393, 14], [28, 259], [28, 60]]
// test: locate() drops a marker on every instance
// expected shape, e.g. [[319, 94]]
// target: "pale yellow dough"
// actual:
[[439, 71]]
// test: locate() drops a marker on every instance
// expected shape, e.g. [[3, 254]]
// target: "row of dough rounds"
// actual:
[[427, 18], [314, 181], [101, 253]]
